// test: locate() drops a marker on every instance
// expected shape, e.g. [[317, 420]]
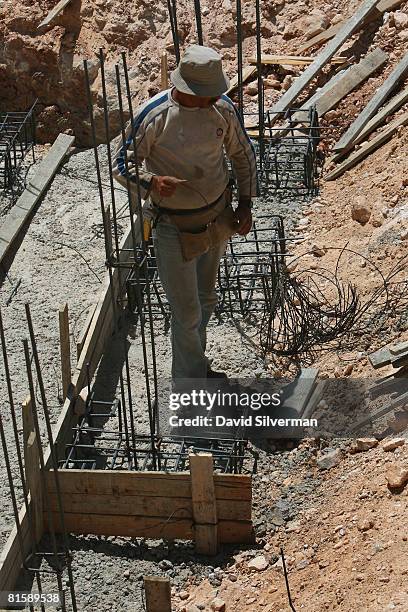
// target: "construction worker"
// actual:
[[184, 136]]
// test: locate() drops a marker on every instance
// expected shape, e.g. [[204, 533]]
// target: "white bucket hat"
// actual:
[[200, 73]]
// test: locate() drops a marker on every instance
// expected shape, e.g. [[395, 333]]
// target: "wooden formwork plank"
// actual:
[[368, 148], [393, 105], [154, 484], [157, 594], [58, 8], [204, 503], [11, 559], [85, 331], [34, 485], [346, 82], [382, 7], [347, 140], [292, 60], [320, 62], [139, 505], [26, 203], [229, 532], [125, 526], [65, 348], [164, 71], [247, 73]]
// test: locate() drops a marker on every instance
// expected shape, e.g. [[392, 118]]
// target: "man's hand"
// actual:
[[243, 216], [165, 186]]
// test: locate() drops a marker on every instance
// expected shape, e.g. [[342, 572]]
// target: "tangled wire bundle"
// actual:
[[310, 309]]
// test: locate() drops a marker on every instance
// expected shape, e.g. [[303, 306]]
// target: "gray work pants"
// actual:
[[190, 291]]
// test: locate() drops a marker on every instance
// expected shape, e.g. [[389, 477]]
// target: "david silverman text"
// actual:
[[248, 421]]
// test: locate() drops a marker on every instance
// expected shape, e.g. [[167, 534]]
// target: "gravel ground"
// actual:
[[65, 232]]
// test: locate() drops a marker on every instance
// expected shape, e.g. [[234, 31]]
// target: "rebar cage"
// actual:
[[17, 139]]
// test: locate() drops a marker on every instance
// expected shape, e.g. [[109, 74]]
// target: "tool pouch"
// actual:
[[194, 244]]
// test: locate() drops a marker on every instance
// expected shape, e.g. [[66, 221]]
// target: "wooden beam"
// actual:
[[204, 503], [380, 117], [33, 480], [382, 7], [11, 559], [328, 97], [53, 13], [329, 51], [346, 141], [164, 71], [247, 73], [26, 203], [65, 349], [157, 594], [368, 148], [147, 484], [293, 60], [85, 330]]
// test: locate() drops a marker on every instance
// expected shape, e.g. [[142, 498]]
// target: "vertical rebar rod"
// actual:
[[199, 25], [52, 453], [240, 60], [172, 9], [42, 463], [108, 150], [143, 261], [287, 581], [19, 455], [260, 83], [146, 251]]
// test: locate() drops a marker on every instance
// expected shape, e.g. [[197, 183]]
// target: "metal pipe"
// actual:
[[240, 60], [199, 24]]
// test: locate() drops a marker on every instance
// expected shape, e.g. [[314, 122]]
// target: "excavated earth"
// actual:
[[343, 529]]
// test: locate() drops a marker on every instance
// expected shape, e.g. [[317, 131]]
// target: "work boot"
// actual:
[[213, 374]]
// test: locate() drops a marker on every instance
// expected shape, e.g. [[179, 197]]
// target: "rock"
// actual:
[[318, 249], [287, 82], [329, 459], [361, 211], [218, 605], [348, 369], [165, 564], [184, 595], [193, 608], [400, 20], [259, 564], [365, 525], [364, 444], [399, 422], [314, 24], [271, 83], [251, 90], [391, 445], [126, 574], [397, 477]]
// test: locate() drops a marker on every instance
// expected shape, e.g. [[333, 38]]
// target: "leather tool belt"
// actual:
[[204, 228]]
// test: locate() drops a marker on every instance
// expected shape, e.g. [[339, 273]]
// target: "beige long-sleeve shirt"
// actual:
[[189, 144]]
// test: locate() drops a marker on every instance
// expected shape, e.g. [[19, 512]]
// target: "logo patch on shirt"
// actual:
[[220, 133]]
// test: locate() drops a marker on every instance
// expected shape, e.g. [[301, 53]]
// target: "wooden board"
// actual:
[[158, 594], [154, 484], [346, 82], [204, 503], [229, 532], [293, 60], [388, 354], [138, 505], [382, 7], [54, 13], [394, 104], [247, 73], [329, 51], [368, 148], [10, 557], [26, 203], [346, 141]]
